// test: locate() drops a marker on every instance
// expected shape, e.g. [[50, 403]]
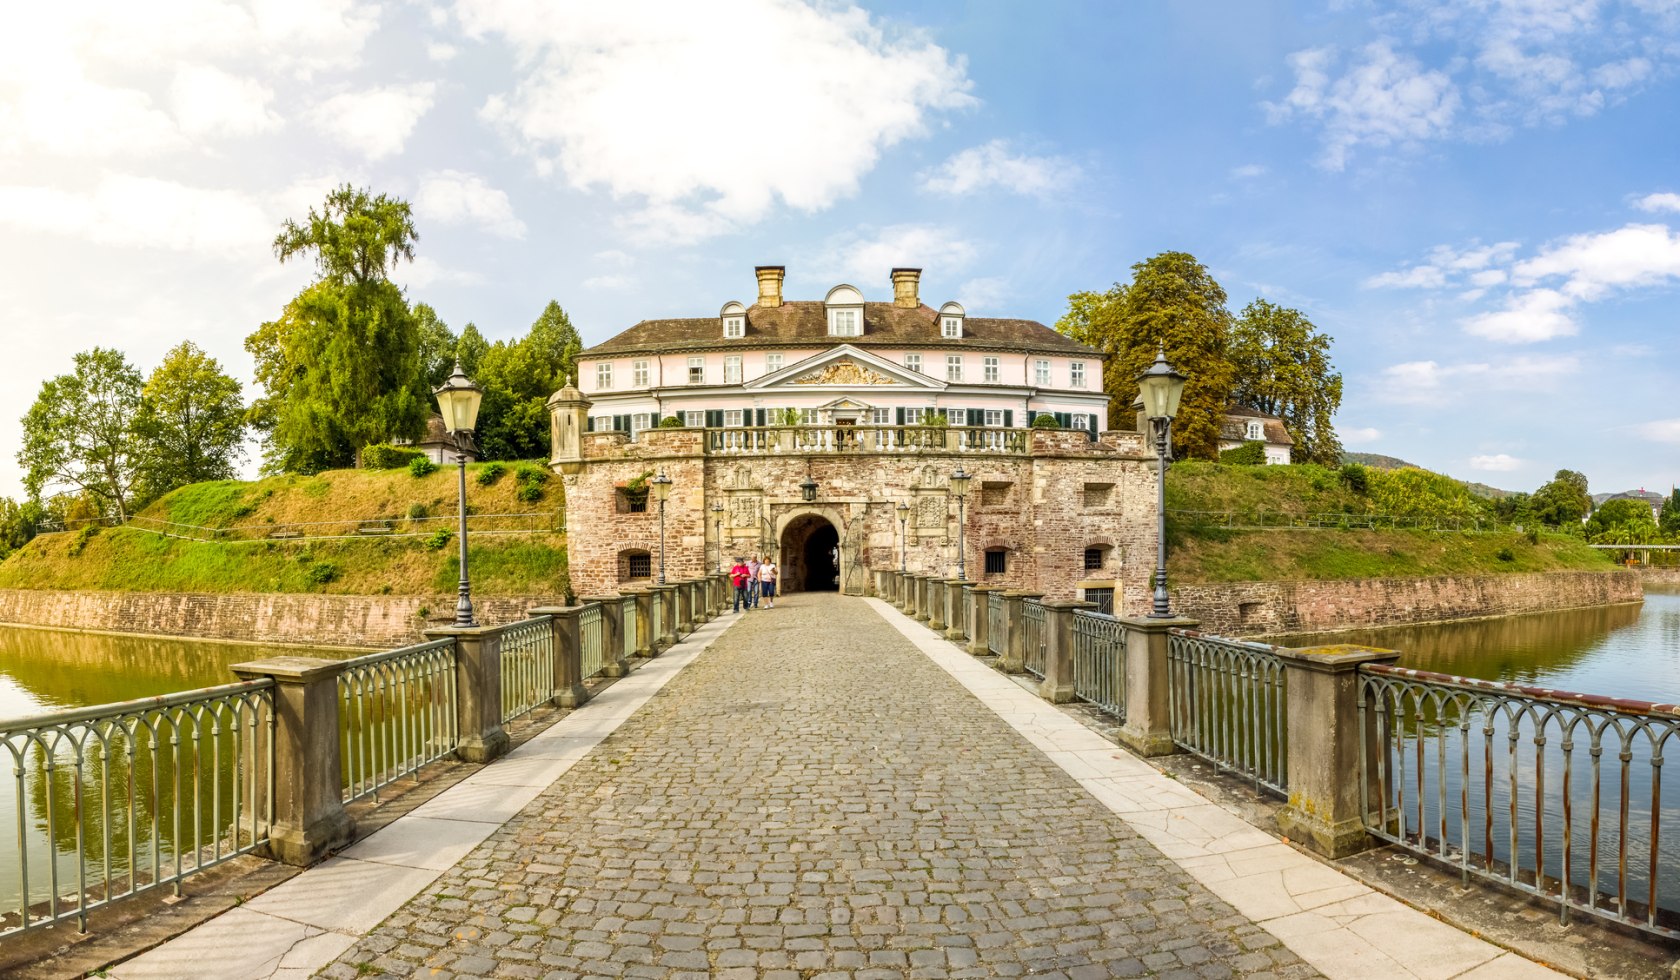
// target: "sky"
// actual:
[[1479, 200]]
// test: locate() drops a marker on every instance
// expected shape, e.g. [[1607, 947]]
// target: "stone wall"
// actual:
[[1666, 576], [326, 620], [1273, 608], [1043, 507]]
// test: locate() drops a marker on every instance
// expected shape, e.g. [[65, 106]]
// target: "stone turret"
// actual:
[[568, 411]]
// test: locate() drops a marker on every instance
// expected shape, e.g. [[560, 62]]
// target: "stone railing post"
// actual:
[[980, 620], [614, 663], [682, 593], [478, 690], [956, 629], [704, 613], [1057, 686], [912, 588], [569, 691], [309, 816], [883, 584], [1014, 657], [646, 643], [1322, 702], [666, 595], [924, 597], [901, 590], [1148, 727], [936, 604]]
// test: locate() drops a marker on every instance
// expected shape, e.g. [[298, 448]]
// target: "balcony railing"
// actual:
[[753, 440]]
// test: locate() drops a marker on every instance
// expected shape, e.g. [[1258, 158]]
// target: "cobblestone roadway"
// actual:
[[813, 798]]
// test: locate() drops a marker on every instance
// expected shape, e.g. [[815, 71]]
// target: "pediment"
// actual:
[[844, 366]]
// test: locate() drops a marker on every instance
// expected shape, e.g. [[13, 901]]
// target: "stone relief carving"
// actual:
[[930, 476], [743, 478], [930, 512], [844, 372], [743, 512]]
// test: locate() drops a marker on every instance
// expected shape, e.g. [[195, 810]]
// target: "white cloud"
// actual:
[[778, 102], [995, 165], [1496, 463], [1661, 430], [1658, 202], [425, 271], [609, 282], [869, 259], [1527, 318], [455, 198], [142, 212], [1427, 381], [984, 294], [1383, 99], [1248, 171], [440, 52], [1359, 435], [1592, 265], [375, 122], [1415, 277], [209, 101]]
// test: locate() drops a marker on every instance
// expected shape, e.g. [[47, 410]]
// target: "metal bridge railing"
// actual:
[[1032, 637], [113, 800], [592, 638], [1227, 704], [997, 624], [396, 713], [1548, 792], [527, 666], [632, 625], [1099, 662]]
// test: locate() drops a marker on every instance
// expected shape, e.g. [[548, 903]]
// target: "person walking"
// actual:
[[767, 573], [752, 582], [739, 577]]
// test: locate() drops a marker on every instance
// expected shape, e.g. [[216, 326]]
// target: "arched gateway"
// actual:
[[810, 554]]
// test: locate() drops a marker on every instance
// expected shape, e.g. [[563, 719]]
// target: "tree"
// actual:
[[470, 349], [1622, 522], [1563, 501], [437, 346], [1670, 522], [558, 341], [1171, 304], [18, 523], [1282, 366], [341, 367], [80, 432], [517, 378], [192, 420]]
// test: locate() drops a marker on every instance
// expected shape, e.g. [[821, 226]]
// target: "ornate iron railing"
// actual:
[[1099, 662], [113, 800], [1551, 793], [1032, 637], [756, 440], [527, 666], [1226, 703], [997, 624], [396, 713], [592, 639]]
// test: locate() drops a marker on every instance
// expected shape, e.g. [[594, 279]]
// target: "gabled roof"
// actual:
[[1234, 426], [805, 324], [833, 361]]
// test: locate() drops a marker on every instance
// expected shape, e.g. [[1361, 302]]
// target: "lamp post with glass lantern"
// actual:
[[661, 490], [959, 487], [458, 400], [903, 537], [717, 522], [1161, 387]]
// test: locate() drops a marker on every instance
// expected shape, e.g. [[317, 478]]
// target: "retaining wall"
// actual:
[[1272, 608], [327, 620]]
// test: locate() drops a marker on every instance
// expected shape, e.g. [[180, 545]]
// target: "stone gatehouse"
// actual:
[[821, 466]]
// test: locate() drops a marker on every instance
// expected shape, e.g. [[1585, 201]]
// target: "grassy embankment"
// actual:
[[1215, 554], [131, 559]]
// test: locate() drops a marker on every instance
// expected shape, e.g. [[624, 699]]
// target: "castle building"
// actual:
[[826, 433]]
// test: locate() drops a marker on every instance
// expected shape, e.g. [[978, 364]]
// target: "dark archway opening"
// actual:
[[810, 555]]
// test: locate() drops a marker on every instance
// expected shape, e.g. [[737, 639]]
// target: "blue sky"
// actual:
[[1479, 200]]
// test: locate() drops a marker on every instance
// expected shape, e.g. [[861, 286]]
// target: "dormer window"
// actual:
[[734, 317], [951, 321], [1254, 430], [845, 311]]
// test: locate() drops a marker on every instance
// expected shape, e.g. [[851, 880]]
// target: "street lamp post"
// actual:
[[662, 490], [717, 522], [959, 487], [903, 537], [1161, 387], [458, 400]]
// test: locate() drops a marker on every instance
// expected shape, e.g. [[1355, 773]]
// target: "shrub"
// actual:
[[1251, 453], [531, 480], [322, 572], [936, 420], [383, 456], [1533, 535], [671, 422], [1354, 477], [786, 416], [529, 492], [489, 473], [421, 466], [1505, 554], [244, 510], [416, 511], [439, 539], [1045, 421], [81, 539]]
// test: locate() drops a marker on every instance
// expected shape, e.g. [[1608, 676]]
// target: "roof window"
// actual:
[[951, 321]]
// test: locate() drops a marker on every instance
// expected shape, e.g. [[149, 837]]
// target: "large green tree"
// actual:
[[18, 523], [1563, 501], [80, 433], [1282, 367], [518, 377], [192, 418], [437, 345], [1622, 521], [341, 367], [1173, 304], [1670, 520]]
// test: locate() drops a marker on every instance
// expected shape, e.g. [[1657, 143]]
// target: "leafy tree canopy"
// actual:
[[437, 346], [192, 419], [1413, 492], [518, 377], [356, 237], [1622, 522], [1282, 366], [1670, 522], [1563, 501], [80, 433]]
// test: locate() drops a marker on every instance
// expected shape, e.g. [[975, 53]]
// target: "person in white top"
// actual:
[[767, 582]]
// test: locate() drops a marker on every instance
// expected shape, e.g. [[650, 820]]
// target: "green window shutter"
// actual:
[[1093, 429], [1009, 417], [760, 417], [900, 412], [714, 418]]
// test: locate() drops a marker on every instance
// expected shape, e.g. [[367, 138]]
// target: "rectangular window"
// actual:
[[1093, 559], [951, 327], [640, 421], [641, 566], [809, 416], [603, 377], [1041, 373], [734, 326], [881, 416], [694, 420], [994, 416], [913, 362], [844, 323], [732, 369], [1076, 374], [997, 561], [953, 367], [732, 417], [912, 416], [1104, 598], [697, 370], [1082, 422], [772, 363], [991, 368], [639, 374]]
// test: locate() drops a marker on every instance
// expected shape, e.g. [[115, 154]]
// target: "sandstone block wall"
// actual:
[[377, 622], [1273, 608]]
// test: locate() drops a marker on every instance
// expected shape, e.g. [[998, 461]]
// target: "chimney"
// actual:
[[904, 283], [770, 285]]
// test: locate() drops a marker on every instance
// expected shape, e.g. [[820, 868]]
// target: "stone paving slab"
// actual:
[[1333, 922]]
